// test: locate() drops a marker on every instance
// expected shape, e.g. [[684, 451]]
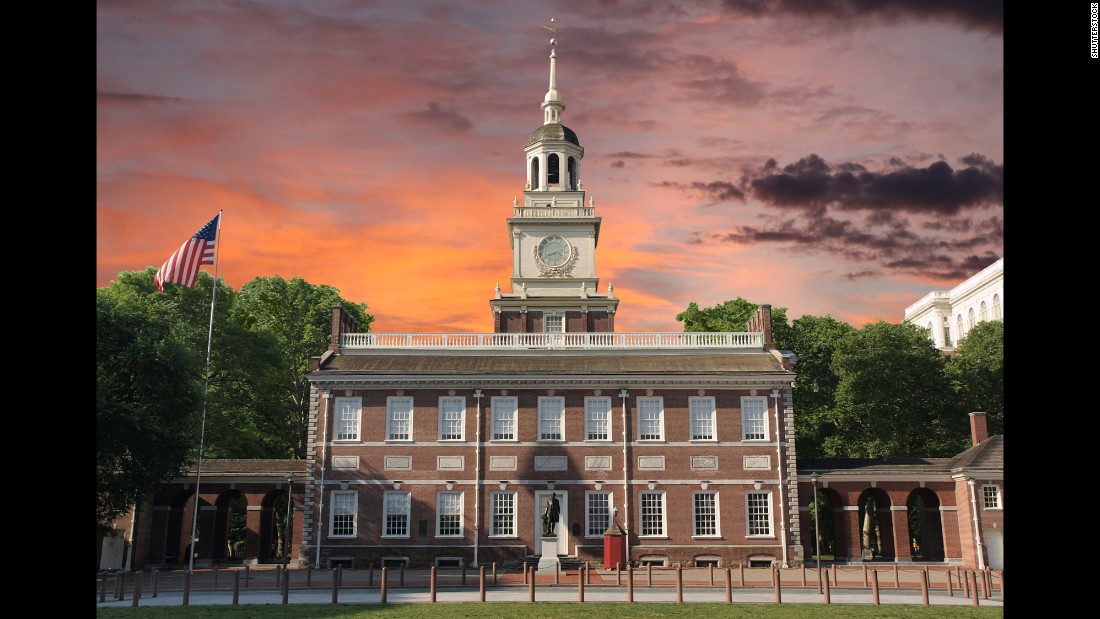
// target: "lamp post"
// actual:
[[289, 505], [817, 535]]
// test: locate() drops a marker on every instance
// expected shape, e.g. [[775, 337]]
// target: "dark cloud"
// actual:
[[719, 82], [985, 15], [715, 191], [436, 116], [129, 97], [813, 184]]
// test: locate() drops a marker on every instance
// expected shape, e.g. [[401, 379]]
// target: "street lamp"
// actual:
[[817, 534], [289, 504]]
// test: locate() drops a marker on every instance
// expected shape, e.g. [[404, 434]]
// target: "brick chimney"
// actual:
[[342, 322], [978, 429], [761, 320]]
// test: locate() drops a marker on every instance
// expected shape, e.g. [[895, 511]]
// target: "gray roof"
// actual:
[[552, 362], [553, 131], [985, 456]]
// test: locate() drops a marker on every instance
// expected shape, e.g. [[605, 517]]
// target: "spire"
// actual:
[[551, 105]]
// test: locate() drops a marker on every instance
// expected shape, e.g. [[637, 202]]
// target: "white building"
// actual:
[[950, 314]]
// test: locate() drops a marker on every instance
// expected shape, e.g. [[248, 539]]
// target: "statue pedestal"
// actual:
[[548, 561]]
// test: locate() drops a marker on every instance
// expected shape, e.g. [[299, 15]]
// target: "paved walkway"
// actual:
[[603, 586]]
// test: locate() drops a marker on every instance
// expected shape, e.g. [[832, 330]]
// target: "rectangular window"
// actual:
[[653, 513], [759, 513], [345, 505], [399, 418], [504, 418], [449, 510], [551, 419], [754, 418], [598, 513], [348, 414], [503, 515], [702, 418], [396, 517], [553, 323], [452, 418], [597, 419], [991, 496], [705, 514], [651, 426]]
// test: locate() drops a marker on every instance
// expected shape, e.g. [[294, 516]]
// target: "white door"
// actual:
[[114, 546], [562, 531], [995, 548]]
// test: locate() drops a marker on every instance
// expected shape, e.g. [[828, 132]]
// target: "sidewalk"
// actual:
[[604, 586]]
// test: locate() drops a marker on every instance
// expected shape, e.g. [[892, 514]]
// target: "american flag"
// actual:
[[182, 267]]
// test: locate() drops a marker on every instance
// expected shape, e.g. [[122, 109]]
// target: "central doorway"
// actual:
[[561, 530]]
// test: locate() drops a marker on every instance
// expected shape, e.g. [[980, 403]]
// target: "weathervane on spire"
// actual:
[[551, 28]]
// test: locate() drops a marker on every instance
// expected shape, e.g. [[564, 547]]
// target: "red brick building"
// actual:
[[443, 449]]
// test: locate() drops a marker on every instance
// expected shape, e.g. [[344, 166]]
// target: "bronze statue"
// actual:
[[550, 515]]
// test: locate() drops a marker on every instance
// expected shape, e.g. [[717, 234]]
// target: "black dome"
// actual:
[[553, 131]]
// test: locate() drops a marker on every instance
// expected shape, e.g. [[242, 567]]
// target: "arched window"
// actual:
[[553, 173], [959, 325], [996, 307], [983, 315], [534, 172], [946, 331], [970, 319], [572, 174]]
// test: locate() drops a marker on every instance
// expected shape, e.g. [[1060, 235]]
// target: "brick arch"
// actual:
[[930, 534]]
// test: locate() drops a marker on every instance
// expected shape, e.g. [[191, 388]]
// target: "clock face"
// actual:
[[554, 251]]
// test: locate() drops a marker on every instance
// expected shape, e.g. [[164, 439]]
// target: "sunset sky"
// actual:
[[841, 157]]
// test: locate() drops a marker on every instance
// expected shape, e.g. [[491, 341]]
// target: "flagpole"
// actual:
[[206, 391]]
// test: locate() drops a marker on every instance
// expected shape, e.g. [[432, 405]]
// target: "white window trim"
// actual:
[[588, 418], [492, 514], [561, 419], [713, 419], [664, 515], [333, 513], [407, 513], [390, 400], [357, 404], [661, 430], [771, 515], [997, 490], [588, 512], [461, 421], [546, 322], [744, 423], [439, 513], [695, 516], [514, 412]]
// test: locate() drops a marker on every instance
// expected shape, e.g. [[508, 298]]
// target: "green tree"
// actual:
[[977, 373], [814, 339], [733, 316], [148, 379], [298, 316], [892, 396]]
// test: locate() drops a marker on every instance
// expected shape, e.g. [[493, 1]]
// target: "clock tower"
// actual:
[[553, 234]]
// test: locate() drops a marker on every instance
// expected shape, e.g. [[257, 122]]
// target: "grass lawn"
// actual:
[[539, 610]]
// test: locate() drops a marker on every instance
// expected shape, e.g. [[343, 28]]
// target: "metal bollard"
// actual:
[[629, 583], [156, 581], [778, 586], [236, 587], [826, 583], [874, 586], [103, 588], [431, 587], [286, 585], [186, 588], [679, 584], [531, 584], [580, 586], [385, 577], [335, 583], [137, 588], [975, 596], [924, 586], [729, 586], [481, 581]]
